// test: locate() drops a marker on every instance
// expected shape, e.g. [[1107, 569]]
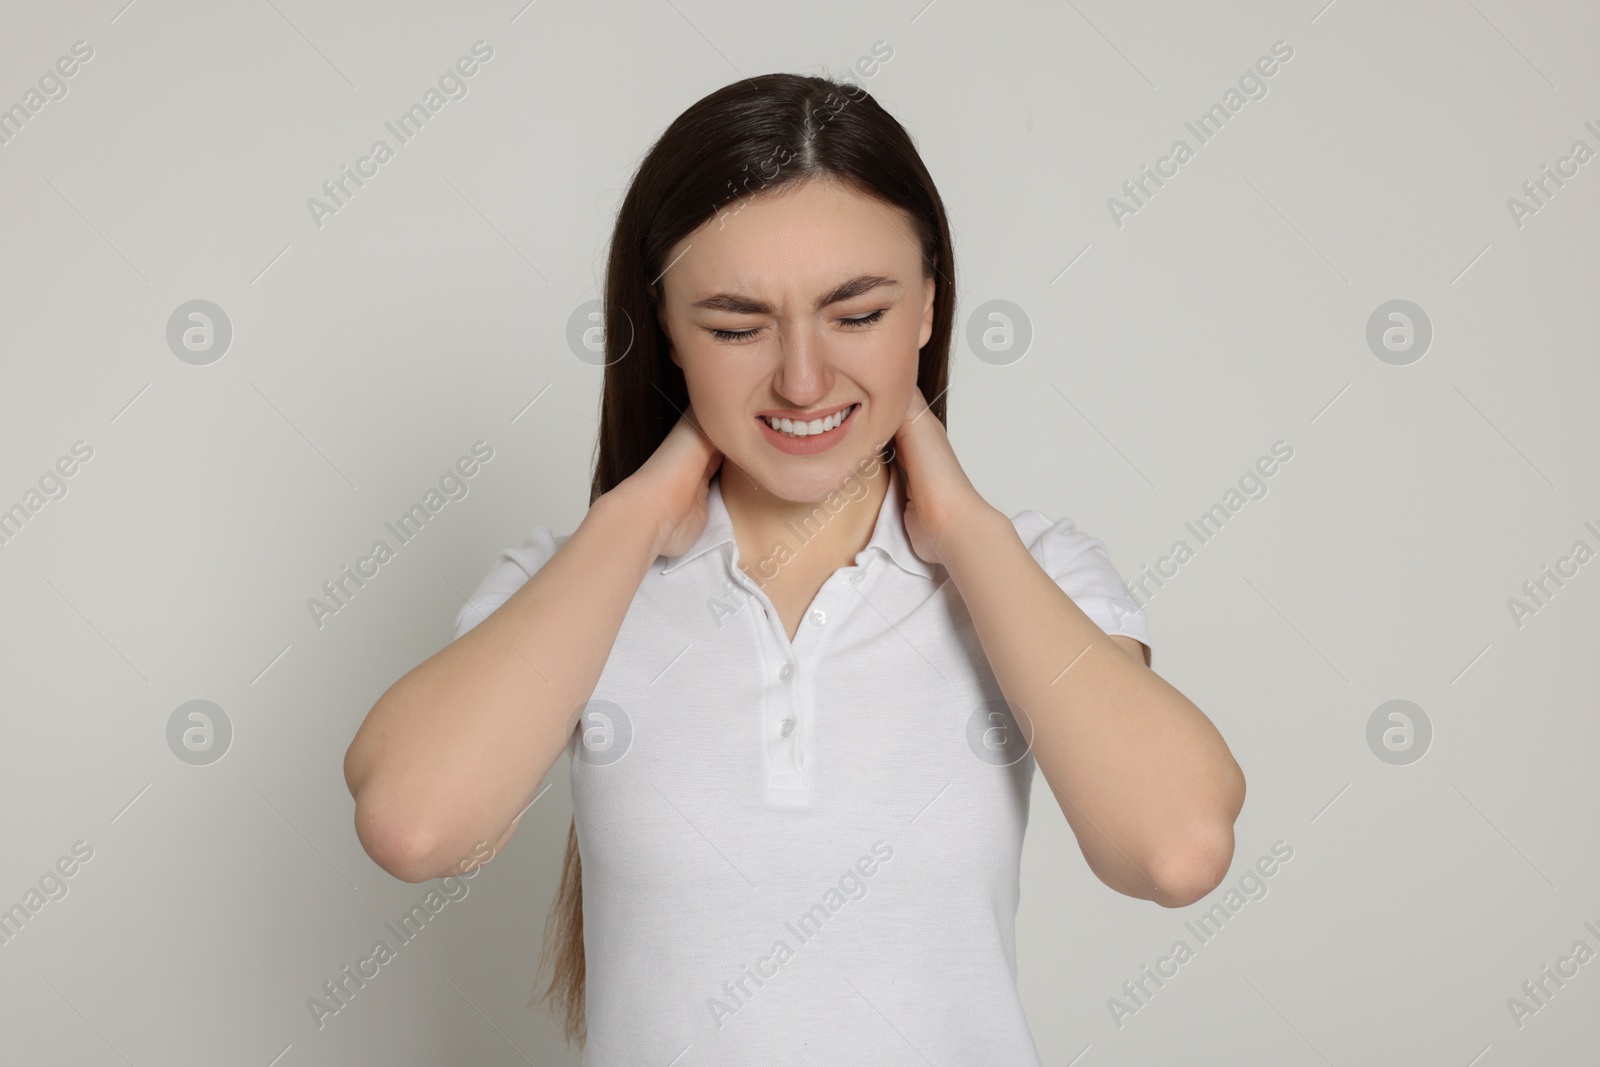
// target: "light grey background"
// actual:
[[1168, 355]]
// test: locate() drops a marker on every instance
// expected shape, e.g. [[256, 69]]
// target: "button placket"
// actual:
[[810, 642], [786, 739], [790, 701], [783, 711], [780, 717]]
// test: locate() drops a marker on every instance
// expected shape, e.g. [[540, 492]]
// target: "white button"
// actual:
[[788, 725], [818, 617], [786, 672]]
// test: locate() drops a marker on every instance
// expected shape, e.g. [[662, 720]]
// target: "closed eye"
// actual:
[[869, 319]]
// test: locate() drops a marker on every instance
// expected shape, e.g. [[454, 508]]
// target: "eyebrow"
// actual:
[[739, 304]]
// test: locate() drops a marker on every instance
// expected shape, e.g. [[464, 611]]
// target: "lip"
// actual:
[[811, 444]]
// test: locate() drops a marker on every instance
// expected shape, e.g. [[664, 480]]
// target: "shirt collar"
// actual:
[[888, 533]]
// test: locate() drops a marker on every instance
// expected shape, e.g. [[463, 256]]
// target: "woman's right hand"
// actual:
[[672, 485]]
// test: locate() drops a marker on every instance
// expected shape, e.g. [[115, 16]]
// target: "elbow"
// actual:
[[1196, 869], [390, 832], [354, 770], [1197, 864], [403, 848]]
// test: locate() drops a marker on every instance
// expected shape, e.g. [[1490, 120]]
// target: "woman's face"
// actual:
[[758, 305]]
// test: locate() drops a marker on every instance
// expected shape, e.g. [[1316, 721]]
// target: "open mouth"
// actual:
[[814, 428]]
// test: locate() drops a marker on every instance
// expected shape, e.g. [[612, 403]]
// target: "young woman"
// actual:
[[802, 669]]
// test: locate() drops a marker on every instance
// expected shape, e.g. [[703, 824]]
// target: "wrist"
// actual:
[[625, 507], [972, 536]]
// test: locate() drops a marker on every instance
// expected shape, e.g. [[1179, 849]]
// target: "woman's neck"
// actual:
[[807, 539]]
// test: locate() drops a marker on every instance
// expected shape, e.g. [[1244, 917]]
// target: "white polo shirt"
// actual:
[[805, 852]]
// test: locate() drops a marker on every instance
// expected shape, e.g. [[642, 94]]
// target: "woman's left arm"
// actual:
[[1143, 776]]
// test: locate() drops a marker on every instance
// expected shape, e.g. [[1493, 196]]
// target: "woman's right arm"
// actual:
[[452, 752]]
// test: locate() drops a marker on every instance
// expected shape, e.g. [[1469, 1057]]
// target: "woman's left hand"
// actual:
[[938, 494]]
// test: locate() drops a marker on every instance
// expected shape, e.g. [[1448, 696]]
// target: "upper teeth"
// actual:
[[805, 429]]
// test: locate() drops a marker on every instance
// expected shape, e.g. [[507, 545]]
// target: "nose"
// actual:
[[804, 376]]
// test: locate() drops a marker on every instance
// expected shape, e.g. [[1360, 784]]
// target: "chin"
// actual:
[[788, 480], [810, 480]]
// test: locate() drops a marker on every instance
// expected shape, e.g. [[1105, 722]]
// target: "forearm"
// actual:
[[1143, 776], [454, 750]]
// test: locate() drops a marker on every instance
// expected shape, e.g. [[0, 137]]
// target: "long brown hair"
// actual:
[[750, 137]]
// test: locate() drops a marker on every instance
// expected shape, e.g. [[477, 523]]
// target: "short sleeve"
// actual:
[[510, 572], [1081, 566]]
